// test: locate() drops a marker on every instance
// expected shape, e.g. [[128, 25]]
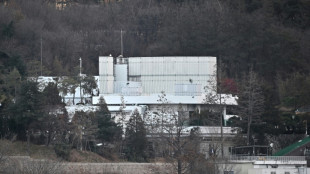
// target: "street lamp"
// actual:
[[306, 127], [80, 66]]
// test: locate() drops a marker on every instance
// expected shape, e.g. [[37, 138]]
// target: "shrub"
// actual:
[[62, 151]]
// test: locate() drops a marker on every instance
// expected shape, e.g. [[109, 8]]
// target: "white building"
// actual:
[[269, 164], [141, 80], [160, 84]]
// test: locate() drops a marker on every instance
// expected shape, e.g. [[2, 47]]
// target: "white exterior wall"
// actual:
[[163, 73], [265, 164], [120, 72], [277, 170], [106, 75]]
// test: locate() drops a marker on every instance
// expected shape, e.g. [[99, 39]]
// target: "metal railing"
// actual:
[[268, 158]]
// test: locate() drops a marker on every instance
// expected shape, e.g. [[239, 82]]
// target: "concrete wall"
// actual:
[[277, 171], [25, 164], [115, 168]]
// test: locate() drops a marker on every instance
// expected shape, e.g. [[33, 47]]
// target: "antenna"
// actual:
[[122, 52], [41, 55]]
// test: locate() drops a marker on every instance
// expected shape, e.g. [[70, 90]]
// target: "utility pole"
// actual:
[[221, 107], [80, 79], [41, 55], [122, 51]]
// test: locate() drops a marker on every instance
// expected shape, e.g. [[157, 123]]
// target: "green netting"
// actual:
[[292, 147]]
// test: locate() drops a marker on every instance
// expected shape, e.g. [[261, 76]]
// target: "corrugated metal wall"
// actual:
[[168, 73], [127, 88], [120, 72], [106, 75]]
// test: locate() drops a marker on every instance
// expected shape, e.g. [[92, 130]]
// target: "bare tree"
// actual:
[[250, 101], [167, 127], [214, 97], [122, 120]]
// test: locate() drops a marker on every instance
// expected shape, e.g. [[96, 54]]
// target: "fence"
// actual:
[[268, 158]]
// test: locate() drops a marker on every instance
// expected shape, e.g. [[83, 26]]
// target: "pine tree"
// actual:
[[58, 68], [109, 131], [85, 129], [72, 84], [27, 109], [88, 84], [51, 94], [135, 139]]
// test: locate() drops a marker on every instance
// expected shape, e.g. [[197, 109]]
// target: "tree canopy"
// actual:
[[135, 139], [109, 131]]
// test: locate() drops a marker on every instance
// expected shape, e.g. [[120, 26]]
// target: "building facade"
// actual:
[[163, 86], [142, 81]]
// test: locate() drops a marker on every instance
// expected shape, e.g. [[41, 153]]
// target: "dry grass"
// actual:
[[19, 148], [86, 156]]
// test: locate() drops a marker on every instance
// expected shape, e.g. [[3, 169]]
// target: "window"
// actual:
[[187, 89], [286, 172], [273, 173], [274, 165], [135, 78], [228, 172]]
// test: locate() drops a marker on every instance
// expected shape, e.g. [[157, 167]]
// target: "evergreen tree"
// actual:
[[8, 30], [85, 129], [72, 83], [294, 91], [58, 69], [27, 108], [11, 83], [34, 69], [88, 84], [109, 131], [51, 94], [135, 139]]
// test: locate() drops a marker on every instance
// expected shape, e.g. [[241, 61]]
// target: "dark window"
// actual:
[[228, 172]]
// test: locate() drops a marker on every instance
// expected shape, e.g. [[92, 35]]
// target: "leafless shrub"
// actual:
[[3, 155], [26, 165]]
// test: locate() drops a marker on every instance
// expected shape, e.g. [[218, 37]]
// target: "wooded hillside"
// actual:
[[270, 37]]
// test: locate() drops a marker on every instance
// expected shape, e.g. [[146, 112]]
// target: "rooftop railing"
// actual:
[[268, 158]]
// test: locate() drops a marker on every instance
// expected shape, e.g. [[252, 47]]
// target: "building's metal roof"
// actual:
[[227, 99]]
